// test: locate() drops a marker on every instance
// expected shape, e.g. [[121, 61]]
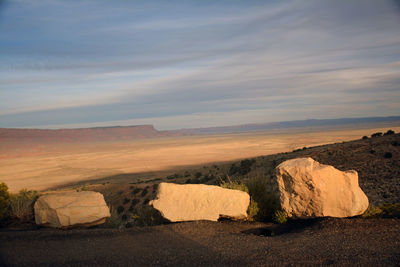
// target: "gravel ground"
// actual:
[[349, 242]]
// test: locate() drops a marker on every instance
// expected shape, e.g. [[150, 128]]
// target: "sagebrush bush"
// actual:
[[21, 205], [262, 191], [114, 221], [147, 216], [280, 217], [253, 209], [372, 212], [4, 200], [386, 210], [234, 185]]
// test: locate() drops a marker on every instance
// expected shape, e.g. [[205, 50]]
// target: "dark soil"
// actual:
[[349, 242]]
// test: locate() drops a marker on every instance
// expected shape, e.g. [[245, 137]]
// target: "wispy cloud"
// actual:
[[189, 64]]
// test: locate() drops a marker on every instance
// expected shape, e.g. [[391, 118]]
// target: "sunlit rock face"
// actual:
[[309, 189], [199, 202], [69, 209]]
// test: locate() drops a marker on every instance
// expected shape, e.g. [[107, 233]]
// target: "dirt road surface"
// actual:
[[343, 242]]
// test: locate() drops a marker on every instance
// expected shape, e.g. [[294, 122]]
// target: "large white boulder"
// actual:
[[68, 209], [199, 202], [309, 189]]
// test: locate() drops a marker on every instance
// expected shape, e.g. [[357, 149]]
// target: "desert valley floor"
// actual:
[[46, 166]]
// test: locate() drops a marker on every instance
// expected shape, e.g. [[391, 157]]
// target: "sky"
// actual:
[[185, 64]]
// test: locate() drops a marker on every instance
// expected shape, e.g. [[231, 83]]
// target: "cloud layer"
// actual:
[[196, 63]]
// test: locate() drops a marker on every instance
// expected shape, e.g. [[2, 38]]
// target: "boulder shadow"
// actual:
[[293, 226]]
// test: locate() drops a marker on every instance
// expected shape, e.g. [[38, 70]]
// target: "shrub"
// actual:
[[395, 143], [21, 205], [120, 209], [144, 192], [147, 216], [244, 167], [114, 221], [386, 210], [365, 137], [234, 185], [155, 187], [136, 190], [279, 217], [389, 132], [198, 175], [253, 209], [126, 201], [261, 191], [387, 155], [372, 212], [4, 200], [376, 134]]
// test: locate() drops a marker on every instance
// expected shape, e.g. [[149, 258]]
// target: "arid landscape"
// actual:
[[200, 133], [41, 166], [145, 239]]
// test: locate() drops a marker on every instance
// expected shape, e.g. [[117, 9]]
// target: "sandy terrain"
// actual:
[[46, 166]]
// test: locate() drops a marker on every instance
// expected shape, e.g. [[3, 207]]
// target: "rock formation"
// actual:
[[309, 189], [199, 202], [68, 209]]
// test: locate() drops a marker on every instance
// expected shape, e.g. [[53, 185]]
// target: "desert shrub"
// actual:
[[147, 216], [244, 167], [144, 192], [4, 200], [234, 185], [120, 209], [136, 190], [365, 137], [390, 210], [155, 187], [387, 155], [372, 151], [188, 181], [146, 201], [261, 191], [389, 132], [253, 209], [126, 201], [134, 202], [376, 134], [372, 212], [198, 175], [173, 176], [279, 217], [114, 221], [395, 143], [21, 205], [386, 210]]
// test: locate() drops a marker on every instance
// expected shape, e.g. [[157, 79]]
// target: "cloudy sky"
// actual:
[[180, 64]]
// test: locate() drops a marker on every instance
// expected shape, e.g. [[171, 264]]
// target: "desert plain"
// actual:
[[47, 166]]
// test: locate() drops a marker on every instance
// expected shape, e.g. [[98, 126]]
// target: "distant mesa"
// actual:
[[125, 133], [98, 134]]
